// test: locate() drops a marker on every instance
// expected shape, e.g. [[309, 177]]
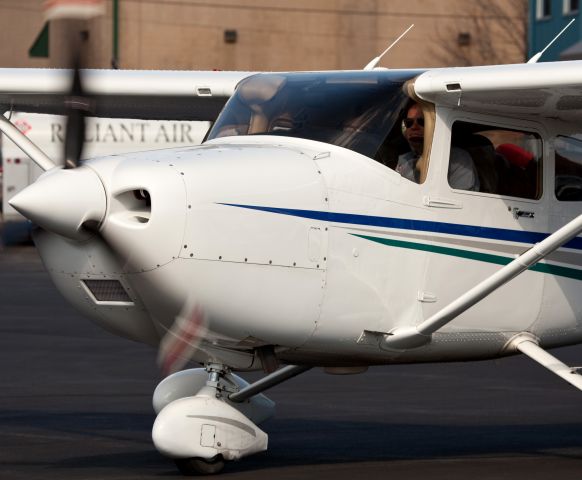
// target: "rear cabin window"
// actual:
[[495, 160], [568, 168]]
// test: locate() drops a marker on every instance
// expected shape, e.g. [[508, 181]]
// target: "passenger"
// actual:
[[521, 175], [515, 155], [484, 157], [462, 173]]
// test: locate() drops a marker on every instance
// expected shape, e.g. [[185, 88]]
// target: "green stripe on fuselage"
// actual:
[[480, 257]]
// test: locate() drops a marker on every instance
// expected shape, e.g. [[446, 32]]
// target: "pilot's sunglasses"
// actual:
[[408, 122]]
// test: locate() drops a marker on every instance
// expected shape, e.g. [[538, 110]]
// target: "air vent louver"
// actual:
[[107, 290]]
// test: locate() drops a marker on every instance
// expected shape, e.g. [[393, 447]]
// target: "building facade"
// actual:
[[546, 19], [269, 34]]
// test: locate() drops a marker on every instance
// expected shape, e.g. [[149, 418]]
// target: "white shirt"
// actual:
[[462, 172], [406, 166]]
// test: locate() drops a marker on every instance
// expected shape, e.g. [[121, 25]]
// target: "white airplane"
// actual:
[[288, 237]]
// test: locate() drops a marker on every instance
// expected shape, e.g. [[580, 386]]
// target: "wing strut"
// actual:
[[25, 144], [528, 344], [403, 338]]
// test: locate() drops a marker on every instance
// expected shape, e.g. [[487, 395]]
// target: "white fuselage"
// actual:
[[311, 248]]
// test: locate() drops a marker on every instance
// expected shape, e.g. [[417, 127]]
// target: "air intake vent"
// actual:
[[134, 206], [107, 291]]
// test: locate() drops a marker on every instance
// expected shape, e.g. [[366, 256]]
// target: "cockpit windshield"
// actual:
[[354, 110]]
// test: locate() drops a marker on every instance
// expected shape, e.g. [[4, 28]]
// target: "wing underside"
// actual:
[[551, 90], [147, 94]]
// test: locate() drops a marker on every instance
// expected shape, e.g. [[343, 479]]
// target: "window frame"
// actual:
[[519, 125], [540, 9], [554, 173], [567, 8]]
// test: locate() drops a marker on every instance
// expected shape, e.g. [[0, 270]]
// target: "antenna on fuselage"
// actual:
[[537, 56], [375, 61]]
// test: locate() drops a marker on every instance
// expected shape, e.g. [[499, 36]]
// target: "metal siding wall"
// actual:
[[272, 34]]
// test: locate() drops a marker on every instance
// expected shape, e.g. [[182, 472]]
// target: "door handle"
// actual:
[[517, 213]]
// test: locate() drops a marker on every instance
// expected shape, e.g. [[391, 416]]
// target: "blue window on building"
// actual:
[[546, 19], [543, 9], [571, 6]]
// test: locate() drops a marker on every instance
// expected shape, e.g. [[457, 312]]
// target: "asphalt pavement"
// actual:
[[75, 403]]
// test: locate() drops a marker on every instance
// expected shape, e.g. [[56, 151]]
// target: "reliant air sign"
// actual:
[[135, 132], [105, 136]]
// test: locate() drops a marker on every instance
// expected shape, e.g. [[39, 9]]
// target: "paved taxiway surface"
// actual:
[[75, 404]]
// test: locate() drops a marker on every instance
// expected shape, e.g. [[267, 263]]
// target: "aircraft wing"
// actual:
[[144, 94], [551, 90]]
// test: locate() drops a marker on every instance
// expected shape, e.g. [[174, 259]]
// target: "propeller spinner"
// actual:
[[68, 202]]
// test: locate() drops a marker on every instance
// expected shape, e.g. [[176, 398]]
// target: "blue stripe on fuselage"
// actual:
[[417, 225]]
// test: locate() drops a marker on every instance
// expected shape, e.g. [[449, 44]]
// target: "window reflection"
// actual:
[[568, 169], [354, 110], [507, 162]]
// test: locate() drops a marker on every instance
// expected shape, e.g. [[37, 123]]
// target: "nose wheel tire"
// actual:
[[200, 466]]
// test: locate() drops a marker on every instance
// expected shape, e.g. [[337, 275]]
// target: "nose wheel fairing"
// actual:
[[199, 427]]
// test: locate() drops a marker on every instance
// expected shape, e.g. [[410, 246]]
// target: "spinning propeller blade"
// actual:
[[182, 339], [78, 106], [72, 202]]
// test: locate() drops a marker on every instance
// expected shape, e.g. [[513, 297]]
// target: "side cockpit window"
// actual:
[[495, 160], [407, 147], [568, 169]]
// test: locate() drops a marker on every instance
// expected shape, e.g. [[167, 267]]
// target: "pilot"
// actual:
[[462, 173]]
